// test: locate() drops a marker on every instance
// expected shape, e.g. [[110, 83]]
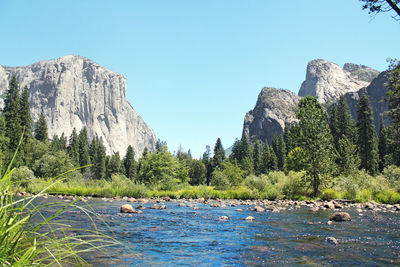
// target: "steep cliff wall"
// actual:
[[74, 92]]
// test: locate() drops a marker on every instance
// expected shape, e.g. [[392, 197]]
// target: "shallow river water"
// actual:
[[185, 236]]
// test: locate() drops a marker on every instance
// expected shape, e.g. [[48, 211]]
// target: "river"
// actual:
[[295, 236]]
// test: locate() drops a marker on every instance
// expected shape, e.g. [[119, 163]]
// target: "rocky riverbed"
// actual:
[[164, 231]]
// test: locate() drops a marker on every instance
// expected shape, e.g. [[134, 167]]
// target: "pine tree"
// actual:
[[83, 141], [269, 160], [26, 124], [114, 165], [382, 144], [73, 147], [257, 163], [367, 140], [219, 154], [11, 111], [130, 163], [99, 163], [41, 133], [207, 162], [278, 145], [315, 139], [345, 123], [333, 125]]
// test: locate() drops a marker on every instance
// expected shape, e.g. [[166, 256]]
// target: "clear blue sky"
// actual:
[[194, 68]]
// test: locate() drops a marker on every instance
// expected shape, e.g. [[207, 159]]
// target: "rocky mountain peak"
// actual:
[[328, 81], [274, 108], [75, 92]]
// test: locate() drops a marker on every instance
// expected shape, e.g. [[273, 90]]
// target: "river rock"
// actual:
[[331, 240], [239, 209], [369, 206], [182, 205], [330, 205], [223, 218], [131, 199], [127, 208], [313, 209], [258, 209], [140, 207], [340, 217], [250, 218]]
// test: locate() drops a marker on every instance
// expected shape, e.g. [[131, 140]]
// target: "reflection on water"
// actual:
[[184, 236]]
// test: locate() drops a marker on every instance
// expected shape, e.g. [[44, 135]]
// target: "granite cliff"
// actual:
[[324, 80], [273, 109], [75, 92]]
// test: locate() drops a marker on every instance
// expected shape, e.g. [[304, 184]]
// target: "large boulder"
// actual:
[[340, 217], [127, 208]]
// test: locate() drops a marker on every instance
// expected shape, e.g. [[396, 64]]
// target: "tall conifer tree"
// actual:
[[367, 139], [11, 111], [41, 133]]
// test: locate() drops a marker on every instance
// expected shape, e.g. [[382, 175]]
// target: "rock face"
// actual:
[[376, 91], [75, 92], [361, 72], [273, 109], [327, 81]]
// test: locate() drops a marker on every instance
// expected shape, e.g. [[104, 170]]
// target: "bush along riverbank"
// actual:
[[359, 187]]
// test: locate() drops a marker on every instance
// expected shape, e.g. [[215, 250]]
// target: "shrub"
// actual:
[[329, 194], [219, 180], [23, 176], [292, 185], [392, 175]]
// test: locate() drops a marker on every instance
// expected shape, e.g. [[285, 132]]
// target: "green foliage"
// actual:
[[219, 154], [161, 167], [367, 139], [257, 162], [279, 147], [233, 173], [114, 166], [41, 132], [382, 145], [292, 185], [73, 147], [329, 194], [393, 99], [84, 157], [31, 240], [348, 159], [315, 140], [53, 164], [23, 176], [269, 159], [197, 172], [261, 187], [11, 112], [296, 160], [392, 176], [130, 164], [219, 180], [346, 126]]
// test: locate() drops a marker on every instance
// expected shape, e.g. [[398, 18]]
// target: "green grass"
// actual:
[[28, 238]]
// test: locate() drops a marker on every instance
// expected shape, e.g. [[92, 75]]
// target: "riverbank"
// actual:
[[255, 205]]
